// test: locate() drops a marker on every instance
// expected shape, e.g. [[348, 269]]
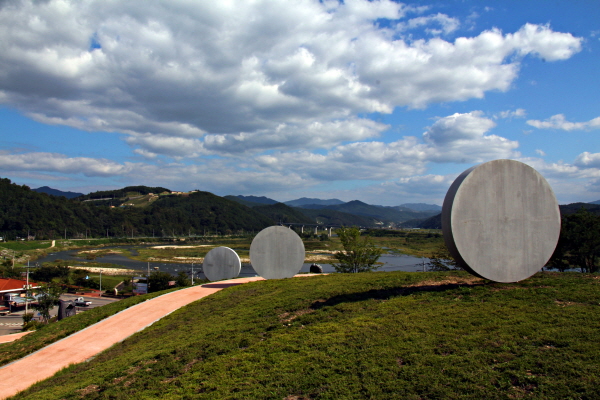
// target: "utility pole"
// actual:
[[27, 288]]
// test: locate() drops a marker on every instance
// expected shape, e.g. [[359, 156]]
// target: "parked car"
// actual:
[[81, 302]]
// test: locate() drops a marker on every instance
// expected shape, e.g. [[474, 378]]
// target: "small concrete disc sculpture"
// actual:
[[501, 221], [221, 263], [277, 252]]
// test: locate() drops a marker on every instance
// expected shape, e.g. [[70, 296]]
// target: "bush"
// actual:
[[359, 255]]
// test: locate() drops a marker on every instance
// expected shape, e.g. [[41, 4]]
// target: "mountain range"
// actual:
[[141, 210], [56, 192]]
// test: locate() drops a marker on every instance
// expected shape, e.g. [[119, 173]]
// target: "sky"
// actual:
[[379, 101]]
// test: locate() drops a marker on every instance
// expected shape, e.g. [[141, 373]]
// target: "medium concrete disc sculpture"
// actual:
[[277, 252], [221, 263], [501, 221]]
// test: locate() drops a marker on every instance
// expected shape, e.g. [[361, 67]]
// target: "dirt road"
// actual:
[[84, 344]]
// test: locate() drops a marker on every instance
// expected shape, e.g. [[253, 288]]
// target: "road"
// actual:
[[13, 323]]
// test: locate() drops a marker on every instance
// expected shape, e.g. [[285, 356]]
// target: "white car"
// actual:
[[81, 302]]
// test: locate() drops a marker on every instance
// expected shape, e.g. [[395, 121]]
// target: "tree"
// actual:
[[48, 297], [159, 281], [580, 235], [441, 260], [182, 279], [359, 255]]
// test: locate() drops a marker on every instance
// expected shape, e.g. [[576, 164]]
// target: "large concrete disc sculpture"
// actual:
[[277, 252], [501, 221], [221, 263]]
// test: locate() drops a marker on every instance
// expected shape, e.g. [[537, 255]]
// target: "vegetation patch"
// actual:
[[383, 335]]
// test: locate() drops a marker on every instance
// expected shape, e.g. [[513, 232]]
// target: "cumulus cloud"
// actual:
[[446, 24], [290, 136], [559, 121], [218, 176], [588, 160], [51, 162], [152, 145], [259, 93], [189, 68], [518, 113], [355, 161], [462, 138]]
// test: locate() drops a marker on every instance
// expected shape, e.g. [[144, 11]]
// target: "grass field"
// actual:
[[360, 336]]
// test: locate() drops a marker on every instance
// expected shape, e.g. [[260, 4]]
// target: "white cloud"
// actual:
[[518, 113], [153, 145], [287, 136], [462, 138], [588, 160], [446, 23], [51, 162], [355, 161], [559, 121], [185, 69], [541, 153]]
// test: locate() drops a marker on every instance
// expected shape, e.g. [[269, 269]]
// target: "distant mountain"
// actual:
[[56, 192], [421, 207], [282, 213], [434, 222], [379, 213], [332, 217], [595, 202], [308, 201], [566, 209], [251, 201]]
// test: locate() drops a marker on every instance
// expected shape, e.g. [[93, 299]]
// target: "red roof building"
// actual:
[[9, 285]]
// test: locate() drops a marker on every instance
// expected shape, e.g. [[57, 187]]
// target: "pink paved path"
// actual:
[[84, 344], [13, 336]]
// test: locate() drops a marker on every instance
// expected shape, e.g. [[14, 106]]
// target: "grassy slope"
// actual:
[[371, 335]]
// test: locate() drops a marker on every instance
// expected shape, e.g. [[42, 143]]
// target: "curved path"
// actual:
[[90, 341]]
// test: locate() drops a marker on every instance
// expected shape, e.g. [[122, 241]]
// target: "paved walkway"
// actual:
[[13, 337], [87, 343]]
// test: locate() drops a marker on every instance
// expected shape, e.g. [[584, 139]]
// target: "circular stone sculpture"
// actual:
[[277, 252], [221, 263], [501, 221]]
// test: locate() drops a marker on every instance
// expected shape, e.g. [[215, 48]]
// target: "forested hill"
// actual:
[[119, 193], [24, 211]]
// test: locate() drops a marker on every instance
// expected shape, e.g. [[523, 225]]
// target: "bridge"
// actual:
[[326, 227]]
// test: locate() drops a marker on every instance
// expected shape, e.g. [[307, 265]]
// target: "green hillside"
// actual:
[[126, 191], [24, 211], [359, 336]]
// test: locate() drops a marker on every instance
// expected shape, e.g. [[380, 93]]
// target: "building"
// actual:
[[13, 291]]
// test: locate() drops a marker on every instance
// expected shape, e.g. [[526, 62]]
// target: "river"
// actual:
[[391, 262]]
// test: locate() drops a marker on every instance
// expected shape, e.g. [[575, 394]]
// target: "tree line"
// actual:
[[578, 246]]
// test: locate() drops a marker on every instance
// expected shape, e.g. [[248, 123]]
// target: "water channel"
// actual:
[[391, 262]]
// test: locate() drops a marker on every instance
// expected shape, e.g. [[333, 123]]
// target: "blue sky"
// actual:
[[379, 101]]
